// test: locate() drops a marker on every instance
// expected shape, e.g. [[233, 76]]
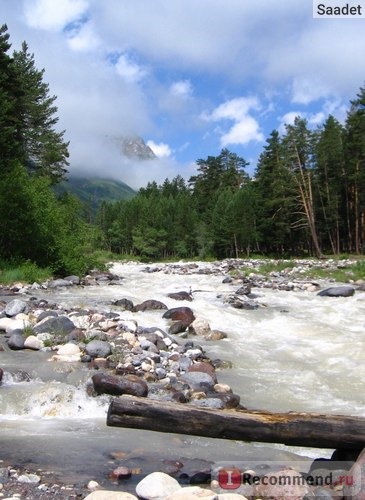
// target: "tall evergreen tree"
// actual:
[[44, 149]]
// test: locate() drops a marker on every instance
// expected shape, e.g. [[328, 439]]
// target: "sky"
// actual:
[[188, 76]]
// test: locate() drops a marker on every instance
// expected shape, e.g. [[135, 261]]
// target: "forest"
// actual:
[[306, 196]]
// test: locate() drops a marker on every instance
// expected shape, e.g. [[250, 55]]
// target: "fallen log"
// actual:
[[294, 429]]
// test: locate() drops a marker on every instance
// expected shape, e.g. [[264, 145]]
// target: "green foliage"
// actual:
[[26, 272]]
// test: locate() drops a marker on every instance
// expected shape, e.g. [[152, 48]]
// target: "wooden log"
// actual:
[[294, 429]]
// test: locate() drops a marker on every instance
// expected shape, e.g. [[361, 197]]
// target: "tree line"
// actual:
[[35, 224], [306, 197]]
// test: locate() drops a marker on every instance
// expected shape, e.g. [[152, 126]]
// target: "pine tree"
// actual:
[[44, 149]]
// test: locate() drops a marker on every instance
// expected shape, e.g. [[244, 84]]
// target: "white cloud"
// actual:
[[306, 91], [161, 150], [53, 15], [288, 119], [245, 128], [85, 39], [182, 88], [129, 70]]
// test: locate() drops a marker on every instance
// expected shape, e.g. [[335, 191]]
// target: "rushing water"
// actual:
[[298, 352]]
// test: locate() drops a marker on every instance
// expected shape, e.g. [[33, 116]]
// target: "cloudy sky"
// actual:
[[189, 76]]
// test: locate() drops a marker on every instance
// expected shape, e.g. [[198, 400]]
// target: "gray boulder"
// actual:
[[16, 341], [337, 291], [15, 307], [98, 349], [59, 283], [199, 381], [75, 280], [55, 325]]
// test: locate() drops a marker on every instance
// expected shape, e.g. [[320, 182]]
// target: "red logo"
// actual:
[[229, 479]]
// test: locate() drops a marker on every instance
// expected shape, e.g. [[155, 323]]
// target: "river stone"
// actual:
[[109, 495], [157, 486], [16, 341], [215, 335], [116, 386], [98, 349], [203, 367], [46, 314], [57, 325], [59, 283], [199, 381], [15, 307], [68, 350], [337, 291], [200, 327], [75, 280], [33, 342], [125, 304], [181, 296], [149, 305], [295, 486], [29, 478], [191, 492], [184, 314]]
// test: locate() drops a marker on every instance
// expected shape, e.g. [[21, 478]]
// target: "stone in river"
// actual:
[[125, 304], [337, 291], [200, 327], [16, 341], [59, 283], [156, 486], [116, 386], [149, 305], [183, 314], [15, 307], [98, 349], [199, 381], [181, 296], [57, 325], [32, 342]]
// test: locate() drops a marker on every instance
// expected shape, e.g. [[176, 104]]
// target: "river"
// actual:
[[299, 352]]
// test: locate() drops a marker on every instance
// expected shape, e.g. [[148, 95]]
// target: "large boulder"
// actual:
[[116, 386], [56, 325], [59, 283], [337, 291], [125, 304], [149, 305], [184, 314], [15, 307], [16, 341]]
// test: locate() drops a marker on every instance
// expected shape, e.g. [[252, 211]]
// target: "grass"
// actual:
[[26, 272]]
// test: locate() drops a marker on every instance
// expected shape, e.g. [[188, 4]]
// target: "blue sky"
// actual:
[[189, 76]]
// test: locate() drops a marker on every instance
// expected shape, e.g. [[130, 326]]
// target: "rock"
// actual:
[[243, 290], [46, 314], [200, 327], [93, 485], [199, 381], [121, 472], [181, 296], [75, 280], [191, 492], [34, 343], [109, 495], [59, 283], [116, 386], [98, 349], [125, 304], [229, 400], [276, 488], [149, 305], [10, 325], [16, 341], [203, 367], [215, 335], [245, 304], [356, 475], [337, 291], [157, 486], [68, 353], [222, 388], [15, 307], [184, 314], [1, 374], [227, 279], [56, 325], [177, 327], [29, 478]]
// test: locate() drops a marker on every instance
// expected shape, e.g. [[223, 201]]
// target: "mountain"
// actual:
[[93, 190], [135, 148]]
